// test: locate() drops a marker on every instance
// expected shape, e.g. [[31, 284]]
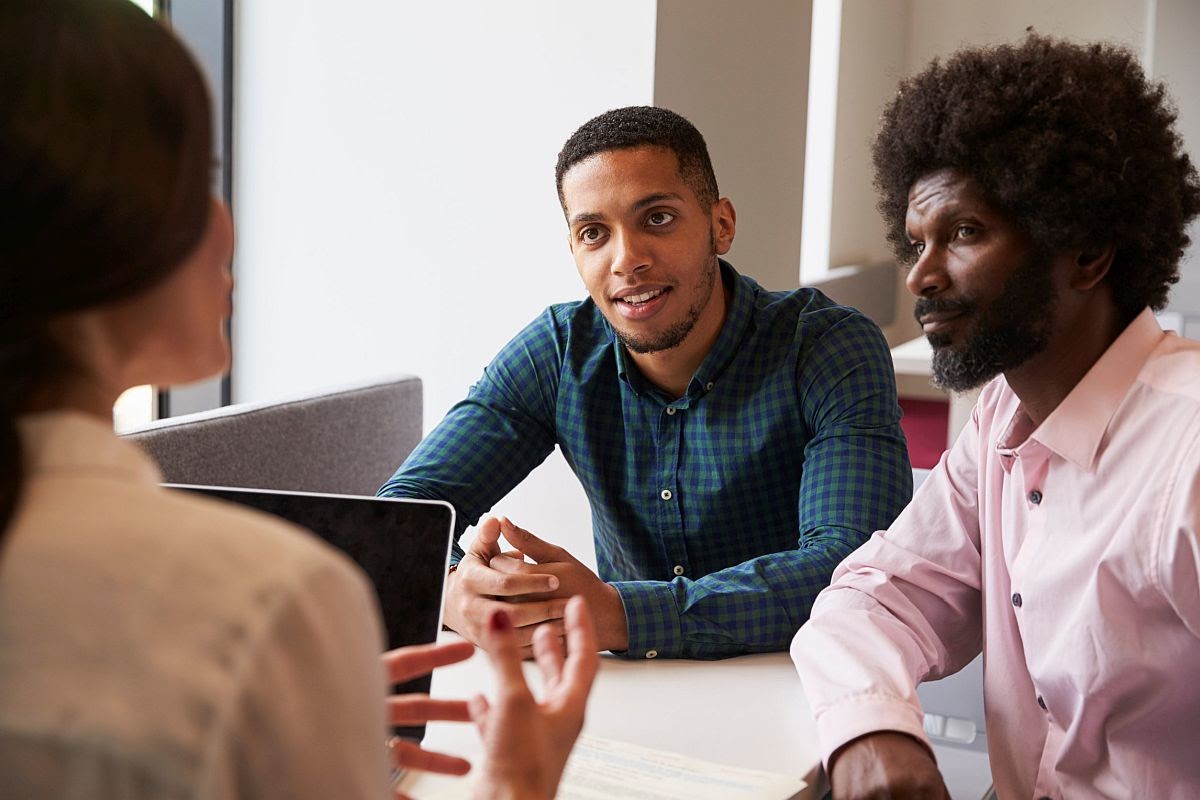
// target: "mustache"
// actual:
[[928, 305]]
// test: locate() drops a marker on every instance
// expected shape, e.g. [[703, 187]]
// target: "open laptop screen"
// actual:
[[402, 545]]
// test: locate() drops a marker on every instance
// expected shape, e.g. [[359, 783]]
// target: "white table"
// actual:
[[745, 712]]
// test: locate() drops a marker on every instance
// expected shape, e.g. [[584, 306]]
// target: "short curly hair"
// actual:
[[1070, 141], [641, 126]]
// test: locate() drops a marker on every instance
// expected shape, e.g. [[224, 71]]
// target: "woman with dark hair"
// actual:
[[154, 644]]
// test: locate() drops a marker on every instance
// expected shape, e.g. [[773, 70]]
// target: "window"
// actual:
[[136, 406], [206, 27]]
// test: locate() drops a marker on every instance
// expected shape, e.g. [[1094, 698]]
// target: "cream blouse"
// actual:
[[158, 645]]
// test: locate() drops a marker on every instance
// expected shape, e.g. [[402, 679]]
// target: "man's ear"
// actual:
[[1091, 265], [724, 225]]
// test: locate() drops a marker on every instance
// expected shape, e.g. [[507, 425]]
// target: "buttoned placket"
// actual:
[[1029, 468], [670, 517]]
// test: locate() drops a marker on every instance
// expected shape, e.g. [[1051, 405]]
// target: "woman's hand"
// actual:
[[404, 664], [527, 741]]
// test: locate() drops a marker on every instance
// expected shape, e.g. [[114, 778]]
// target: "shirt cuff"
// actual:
[[653, 619], [870, 712]]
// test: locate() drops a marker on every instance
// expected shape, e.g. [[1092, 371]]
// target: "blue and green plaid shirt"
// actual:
[[719, 515]]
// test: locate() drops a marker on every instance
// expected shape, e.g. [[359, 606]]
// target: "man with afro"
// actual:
[[1037, 196]]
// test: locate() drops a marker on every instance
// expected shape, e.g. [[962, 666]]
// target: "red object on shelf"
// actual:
[[926, 424]]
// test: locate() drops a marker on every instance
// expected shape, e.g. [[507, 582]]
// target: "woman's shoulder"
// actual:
[[144, 616]]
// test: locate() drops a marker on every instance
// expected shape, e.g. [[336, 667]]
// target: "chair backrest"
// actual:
[[343, 441], [871, 288]]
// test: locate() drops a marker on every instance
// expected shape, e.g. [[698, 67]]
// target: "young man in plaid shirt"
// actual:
[[735, 444]]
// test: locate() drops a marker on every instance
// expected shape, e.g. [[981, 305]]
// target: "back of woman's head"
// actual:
[[105, 163]]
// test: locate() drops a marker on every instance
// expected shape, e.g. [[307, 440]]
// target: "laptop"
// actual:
[[402, 545]]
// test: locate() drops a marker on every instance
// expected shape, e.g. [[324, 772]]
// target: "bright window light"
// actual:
[[819, 143], [134, 408]]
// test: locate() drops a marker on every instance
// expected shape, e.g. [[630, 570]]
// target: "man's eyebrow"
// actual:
[[941, 215], [586, 216], [651, 199], [648, 200]]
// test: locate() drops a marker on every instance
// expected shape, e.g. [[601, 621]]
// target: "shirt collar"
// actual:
[[70, 440], [737, 321], [1076, 428]]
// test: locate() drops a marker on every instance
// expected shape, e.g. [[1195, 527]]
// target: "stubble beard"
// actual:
[[674, 335]]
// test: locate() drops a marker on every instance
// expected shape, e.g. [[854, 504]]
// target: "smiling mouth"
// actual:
[[644, 297]]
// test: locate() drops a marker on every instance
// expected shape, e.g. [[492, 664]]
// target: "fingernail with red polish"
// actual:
[[500, 622]]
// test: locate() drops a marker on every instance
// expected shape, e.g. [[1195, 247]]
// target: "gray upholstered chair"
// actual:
[[347, 440]]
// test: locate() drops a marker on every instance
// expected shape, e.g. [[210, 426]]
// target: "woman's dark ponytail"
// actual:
[[28, 359], [105, 163]]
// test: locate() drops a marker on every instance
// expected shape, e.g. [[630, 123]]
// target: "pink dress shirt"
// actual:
[[1068, 552]]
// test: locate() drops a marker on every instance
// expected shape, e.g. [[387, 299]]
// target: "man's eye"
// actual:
[[659, 218], [590, 235], [918, 247], [965, 231]]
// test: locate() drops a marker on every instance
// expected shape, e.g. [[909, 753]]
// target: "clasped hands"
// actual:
[[534, 595]]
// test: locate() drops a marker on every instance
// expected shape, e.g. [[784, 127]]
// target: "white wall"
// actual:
[[395, 198], [739, 72], [1176, 60], [940, 27], [871, 63]]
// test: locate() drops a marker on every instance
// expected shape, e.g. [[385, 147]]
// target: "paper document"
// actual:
[[601, 769]]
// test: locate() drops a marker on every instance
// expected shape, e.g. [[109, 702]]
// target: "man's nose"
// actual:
[[630, 255], [927, 276]]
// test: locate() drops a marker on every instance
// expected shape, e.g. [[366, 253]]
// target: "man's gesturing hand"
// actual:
[[476, 590], [885, 765], [612, 628], [528, 741]]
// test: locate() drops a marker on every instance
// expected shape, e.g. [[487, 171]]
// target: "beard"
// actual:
[[674, 335], [1009, 331]]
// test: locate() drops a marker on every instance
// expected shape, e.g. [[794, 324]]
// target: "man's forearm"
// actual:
[[752, 607]]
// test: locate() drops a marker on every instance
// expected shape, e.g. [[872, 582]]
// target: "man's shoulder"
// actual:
[[562, 334], [574, 313], [811, 315], [576, 325], [1174, 369]]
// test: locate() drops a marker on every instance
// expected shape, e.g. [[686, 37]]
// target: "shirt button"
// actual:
[[651, 654], [678, 570], [1042, 703], [1035, 497], [708, 387], [670, 411], [665, 494], [1016, 598]]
